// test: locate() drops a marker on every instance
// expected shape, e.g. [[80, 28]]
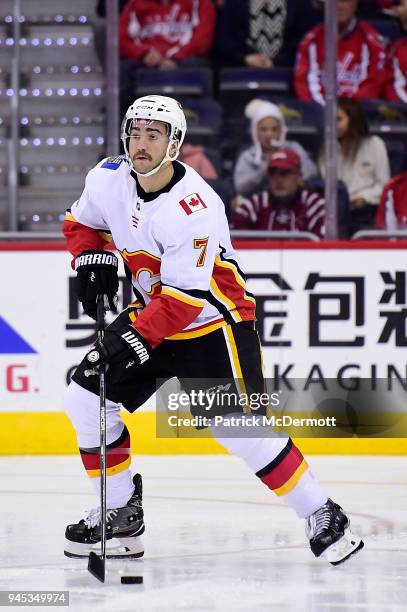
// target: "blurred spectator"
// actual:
[[194, 156], [249, 32], [301, 17], [363, 164], [268, 131], [360, 64], [396, 84], [287, 204], [163, 34], [392, 211]]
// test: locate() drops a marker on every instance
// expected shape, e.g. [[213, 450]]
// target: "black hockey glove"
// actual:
[[97, 275], [124, 347]]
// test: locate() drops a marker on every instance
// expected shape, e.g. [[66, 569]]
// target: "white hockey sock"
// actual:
[[83, 409], [307, 496], [119, 489], [279, 464]]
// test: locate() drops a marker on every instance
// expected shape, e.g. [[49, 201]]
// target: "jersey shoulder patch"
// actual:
[[112, 163], [192, 203]]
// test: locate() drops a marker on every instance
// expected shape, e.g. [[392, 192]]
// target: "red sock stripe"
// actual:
[[282, 472], [115, 455]]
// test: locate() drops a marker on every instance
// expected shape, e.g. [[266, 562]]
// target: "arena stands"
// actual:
[[62, 106]]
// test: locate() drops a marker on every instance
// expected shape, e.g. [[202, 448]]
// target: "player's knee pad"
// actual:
[[83, 408], [257, 451]]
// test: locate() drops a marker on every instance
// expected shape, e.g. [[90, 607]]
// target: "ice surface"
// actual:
[[216, 538]]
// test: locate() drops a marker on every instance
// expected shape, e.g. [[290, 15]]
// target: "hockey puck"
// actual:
[[131, 579]]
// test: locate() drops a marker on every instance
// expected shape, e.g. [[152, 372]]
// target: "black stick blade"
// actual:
[[96, 566]]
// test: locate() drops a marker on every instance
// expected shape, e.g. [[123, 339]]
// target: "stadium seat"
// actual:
[[397, 155], [305, 122], [237, 86], [386, 118], [204, 118], [179, 82]]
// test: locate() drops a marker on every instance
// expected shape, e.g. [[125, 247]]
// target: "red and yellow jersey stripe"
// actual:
[[170, 311], [229, 293]]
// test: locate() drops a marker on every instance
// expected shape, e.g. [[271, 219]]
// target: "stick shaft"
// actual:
[[102, 397]]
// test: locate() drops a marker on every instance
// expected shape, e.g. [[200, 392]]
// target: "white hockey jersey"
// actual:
[[175, 244]]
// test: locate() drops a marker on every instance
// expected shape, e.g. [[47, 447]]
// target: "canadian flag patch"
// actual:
[[192, 203]]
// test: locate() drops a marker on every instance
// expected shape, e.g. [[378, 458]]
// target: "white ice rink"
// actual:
[[216, 538]]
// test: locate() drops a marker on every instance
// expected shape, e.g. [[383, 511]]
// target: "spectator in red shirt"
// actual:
[[163, 34], [360, 64], [396, 83], [392, 211], [287, 205]]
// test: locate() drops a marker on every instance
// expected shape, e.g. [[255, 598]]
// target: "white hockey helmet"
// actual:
[[156, 108]]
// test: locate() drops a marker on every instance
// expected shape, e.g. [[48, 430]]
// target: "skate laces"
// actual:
[[92, 519], [320, 520]]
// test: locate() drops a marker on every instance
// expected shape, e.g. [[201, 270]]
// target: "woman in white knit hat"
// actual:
[[268, 130]]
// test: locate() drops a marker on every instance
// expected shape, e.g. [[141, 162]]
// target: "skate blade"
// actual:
[[118, 548], [348, 545]]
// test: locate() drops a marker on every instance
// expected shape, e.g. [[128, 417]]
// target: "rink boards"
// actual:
[[335, 311]]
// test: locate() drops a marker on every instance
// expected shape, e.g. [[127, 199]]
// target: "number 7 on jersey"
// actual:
[[201, 243]]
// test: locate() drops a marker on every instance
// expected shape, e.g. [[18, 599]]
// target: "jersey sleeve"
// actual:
[[244, 216], [129, 47], [316, 214], [84, 227], [396, 79], [202, 34], [374, 68], [186, 272], [386, 216], [307, 72], [380, 214]]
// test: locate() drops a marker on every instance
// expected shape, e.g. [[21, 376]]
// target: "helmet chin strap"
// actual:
[[167, 157]]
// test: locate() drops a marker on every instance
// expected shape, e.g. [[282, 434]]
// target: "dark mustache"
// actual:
[[143, 153]]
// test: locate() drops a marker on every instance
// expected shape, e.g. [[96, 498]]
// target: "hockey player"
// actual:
[[193, 317]]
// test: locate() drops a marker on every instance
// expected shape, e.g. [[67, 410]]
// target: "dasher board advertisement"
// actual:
[[321, 313]]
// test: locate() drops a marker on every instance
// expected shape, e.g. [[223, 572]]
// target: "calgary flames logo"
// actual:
[[145, 269]]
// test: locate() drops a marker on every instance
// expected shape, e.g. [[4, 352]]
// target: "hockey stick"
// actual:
[[96, 563]]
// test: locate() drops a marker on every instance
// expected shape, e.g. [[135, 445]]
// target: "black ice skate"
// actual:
[[124, 527], [329, 534]]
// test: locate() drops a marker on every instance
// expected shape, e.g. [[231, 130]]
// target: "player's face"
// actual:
[[268, 129], [345, 11], [283, 183], [342, 123], [148, 144]]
